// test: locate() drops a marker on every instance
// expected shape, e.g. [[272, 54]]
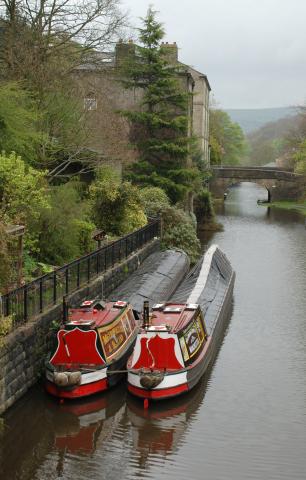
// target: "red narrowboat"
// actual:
[[95, 341], [178, 339]]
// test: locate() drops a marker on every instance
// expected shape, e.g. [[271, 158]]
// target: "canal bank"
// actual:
[[287, 205], [247, 418]]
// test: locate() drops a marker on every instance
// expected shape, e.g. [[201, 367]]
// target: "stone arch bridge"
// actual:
[[280, 184]]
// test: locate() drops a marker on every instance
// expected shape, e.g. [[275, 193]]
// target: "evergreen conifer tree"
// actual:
[[160, 128]]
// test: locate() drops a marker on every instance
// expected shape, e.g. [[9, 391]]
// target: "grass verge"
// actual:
[[290, 205]]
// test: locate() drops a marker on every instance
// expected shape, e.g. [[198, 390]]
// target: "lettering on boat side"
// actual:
[[192, 338], [184, 349], [114, 336]]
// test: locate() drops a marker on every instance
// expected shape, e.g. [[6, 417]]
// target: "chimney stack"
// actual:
[[123, 51], [170, 52]]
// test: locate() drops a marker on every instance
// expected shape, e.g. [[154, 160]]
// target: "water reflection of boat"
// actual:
[[160, 429], [78, 426], [177, 341]]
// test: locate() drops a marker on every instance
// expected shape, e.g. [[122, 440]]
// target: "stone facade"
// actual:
[[103, 96], [200, 115], [23, 352]]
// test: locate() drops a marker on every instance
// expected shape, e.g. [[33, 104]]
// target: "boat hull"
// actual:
[[158, 394], [77, 392]]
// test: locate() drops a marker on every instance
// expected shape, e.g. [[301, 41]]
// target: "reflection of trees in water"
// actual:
[[282, 216]]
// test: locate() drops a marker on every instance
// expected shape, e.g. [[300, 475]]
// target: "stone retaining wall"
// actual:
[[23, 352]]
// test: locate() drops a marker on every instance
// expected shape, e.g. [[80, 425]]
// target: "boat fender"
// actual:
[[74, 378], [60, 379], [151, 380], [63, 379]]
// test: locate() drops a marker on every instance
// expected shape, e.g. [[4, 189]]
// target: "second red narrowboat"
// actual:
[[178, 339]]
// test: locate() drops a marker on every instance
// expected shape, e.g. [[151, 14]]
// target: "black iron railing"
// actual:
[[34, 298]]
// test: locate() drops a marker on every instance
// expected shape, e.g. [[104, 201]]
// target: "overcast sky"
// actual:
[[253, 51]]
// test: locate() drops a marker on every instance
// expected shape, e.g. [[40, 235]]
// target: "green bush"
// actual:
[[6, 324], [179, 232], [204, 205], [116, 205], [154, 200]]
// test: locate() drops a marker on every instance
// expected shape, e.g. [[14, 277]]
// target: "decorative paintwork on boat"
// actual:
[[96, 340], [178, 339]]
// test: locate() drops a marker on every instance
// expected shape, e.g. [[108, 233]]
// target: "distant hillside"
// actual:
[[269, 142], [253, 119]]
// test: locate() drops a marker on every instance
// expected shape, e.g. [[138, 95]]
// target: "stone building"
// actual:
[[104, 96]]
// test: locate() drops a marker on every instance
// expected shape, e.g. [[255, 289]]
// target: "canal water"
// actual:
[[247, 417]]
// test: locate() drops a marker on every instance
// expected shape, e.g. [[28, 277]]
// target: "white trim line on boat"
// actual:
[[93, 376], [203, 275], [86, 377]]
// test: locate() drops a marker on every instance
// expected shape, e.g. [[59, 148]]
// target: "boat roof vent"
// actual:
[[191, 306], [87, 303], [158, 306], [75, 323], [120, 304], [173, 309], [158, 328]]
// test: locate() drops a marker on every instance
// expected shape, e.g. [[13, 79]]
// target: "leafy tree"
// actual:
[[65, 227], [45, 38], [23, 191], [41, 43], [228, 146], [18, 122], [296, 141], [116, 205], [23, 195], [300, 158], [159, 128], [63, 119]]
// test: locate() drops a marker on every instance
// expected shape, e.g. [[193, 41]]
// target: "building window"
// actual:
[[90, 102]]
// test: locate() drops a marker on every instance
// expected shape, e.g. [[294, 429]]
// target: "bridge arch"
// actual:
[[280, 184]]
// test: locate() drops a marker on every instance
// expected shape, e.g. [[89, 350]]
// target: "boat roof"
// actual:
[[96, 313], [172, 317]]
